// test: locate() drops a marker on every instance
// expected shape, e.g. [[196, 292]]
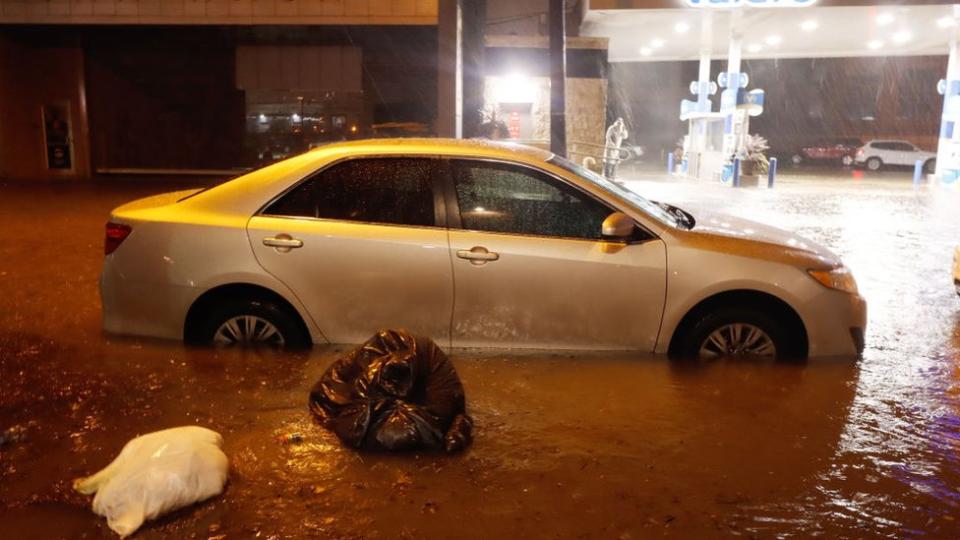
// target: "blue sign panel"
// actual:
[[750, 3]]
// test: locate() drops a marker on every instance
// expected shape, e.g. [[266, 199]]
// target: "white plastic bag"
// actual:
[[157, 473]]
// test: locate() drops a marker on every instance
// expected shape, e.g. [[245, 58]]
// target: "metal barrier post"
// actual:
[[771, 172], [670, 163], [736, 172], [917, 171]]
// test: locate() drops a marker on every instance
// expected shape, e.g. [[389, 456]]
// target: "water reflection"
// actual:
[[608, 445]]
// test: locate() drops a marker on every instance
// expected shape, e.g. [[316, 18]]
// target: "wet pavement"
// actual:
[[567, 445]]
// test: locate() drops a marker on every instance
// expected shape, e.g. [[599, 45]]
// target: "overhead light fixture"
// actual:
[[874, 44], [946, 22], [645, 51], [809, 25], [901, 37], [773, 40], [681, 27], [656, 43], [755, 47], [884, 19]]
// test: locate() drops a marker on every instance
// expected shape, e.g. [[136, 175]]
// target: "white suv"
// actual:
[[876, 154]]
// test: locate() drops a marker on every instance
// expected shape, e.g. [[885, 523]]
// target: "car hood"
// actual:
[[740, 236]]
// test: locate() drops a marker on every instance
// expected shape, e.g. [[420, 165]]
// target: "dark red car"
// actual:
[[836, 150]]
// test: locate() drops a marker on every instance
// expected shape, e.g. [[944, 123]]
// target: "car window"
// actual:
[[499, 197], [904, 147], [375, 190]]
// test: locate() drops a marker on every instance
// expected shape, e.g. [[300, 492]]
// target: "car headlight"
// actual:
[[839, 278]]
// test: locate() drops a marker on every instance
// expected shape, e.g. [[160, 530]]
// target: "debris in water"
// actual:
[[395, 392]]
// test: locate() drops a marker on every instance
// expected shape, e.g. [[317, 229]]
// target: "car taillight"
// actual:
[[116, 234], [860, 152]]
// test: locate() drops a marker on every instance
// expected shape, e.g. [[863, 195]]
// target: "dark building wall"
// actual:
[[807, 99], [33, 73], [163, 98]]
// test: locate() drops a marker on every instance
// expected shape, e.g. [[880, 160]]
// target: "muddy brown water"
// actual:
[[567, 445]]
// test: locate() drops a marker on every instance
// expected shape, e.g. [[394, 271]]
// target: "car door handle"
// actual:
[[283, 242], [478, 255]]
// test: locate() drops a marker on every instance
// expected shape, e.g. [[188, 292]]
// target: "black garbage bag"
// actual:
[[395, 392]]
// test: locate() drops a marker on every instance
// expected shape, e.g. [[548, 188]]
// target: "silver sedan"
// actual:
[[475, 244]]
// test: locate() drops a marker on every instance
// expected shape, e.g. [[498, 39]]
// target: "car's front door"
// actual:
[[531, 269], [363, 245]]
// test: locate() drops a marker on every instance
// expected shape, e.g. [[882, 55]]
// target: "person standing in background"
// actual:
[[616, 134]]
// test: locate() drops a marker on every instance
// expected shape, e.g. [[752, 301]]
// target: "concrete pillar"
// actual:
[[449, 121], [558, 78], [473, 24]]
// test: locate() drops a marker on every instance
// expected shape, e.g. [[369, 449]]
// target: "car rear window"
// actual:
[[374, 190]]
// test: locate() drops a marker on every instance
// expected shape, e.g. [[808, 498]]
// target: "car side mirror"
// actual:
[[618, 227]]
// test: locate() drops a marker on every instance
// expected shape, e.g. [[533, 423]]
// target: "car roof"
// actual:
[[441, 146]]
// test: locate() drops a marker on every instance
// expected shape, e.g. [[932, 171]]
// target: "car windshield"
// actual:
[[647, 206]]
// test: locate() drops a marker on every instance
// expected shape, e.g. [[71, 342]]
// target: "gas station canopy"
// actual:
[[650, 35]]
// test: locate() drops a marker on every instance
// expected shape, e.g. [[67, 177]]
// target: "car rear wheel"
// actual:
[[797, 159], [739, 332], [250, 323], [874, 164], [847, 161]]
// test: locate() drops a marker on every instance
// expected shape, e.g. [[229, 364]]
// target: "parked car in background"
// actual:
[[471, 243], [881, 153], [836, 150]]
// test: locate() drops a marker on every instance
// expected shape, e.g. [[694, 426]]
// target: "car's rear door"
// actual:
[[531, 270], [363, 245]]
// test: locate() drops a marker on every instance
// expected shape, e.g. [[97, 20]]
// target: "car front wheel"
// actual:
[[847, 161], [251, 322], [739, 332]]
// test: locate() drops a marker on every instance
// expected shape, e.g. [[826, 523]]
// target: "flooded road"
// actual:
[[567, 445]]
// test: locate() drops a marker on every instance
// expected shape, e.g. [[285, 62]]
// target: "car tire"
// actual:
[[251, 322], [797, 159], [930, 166], [723, 322], [874, 164], [846, 161]]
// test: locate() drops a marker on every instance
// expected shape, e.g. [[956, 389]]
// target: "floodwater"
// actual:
[[567, 445]]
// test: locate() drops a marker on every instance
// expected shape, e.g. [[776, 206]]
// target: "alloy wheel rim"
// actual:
[[738, 339], [248, 330]]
